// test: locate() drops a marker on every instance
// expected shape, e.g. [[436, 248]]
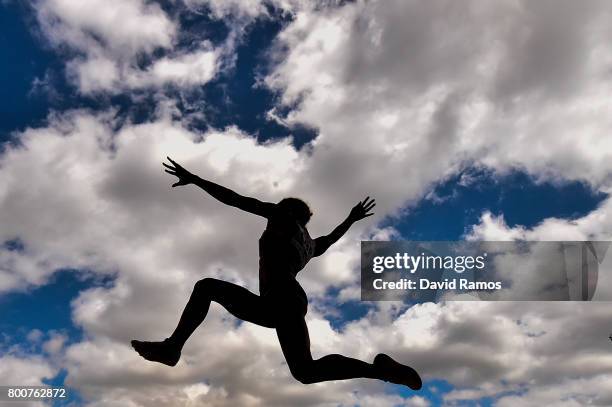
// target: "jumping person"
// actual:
[[285, 247]]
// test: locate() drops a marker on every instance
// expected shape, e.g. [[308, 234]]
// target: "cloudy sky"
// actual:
[[465, 120]]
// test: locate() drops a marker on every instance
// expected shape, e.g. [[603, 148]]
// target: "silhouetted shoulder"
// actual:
[[256, 207]]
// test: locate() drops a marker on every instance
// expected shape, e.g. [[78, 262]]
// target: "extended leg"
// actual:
[[239, 301], [293, 336]]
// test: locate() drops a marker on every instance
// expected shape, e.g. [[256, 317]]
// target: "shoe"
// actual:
[[162, 352], [394, 372]]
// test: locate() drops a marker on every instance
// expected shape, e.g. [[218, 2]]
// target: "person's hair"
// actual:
[[298, 209]]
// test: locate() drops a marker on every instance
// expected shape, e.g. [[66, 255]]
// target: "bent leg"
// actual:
[[295, 342], [239, 301]]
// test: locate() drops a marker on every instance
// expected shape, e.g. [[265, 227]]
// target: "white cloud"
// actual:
[[119, 215], [411, 91], [94, 73], [569, 393], [35, 335], [592, 226], [111, 36], [245, 9], [108, 188], [124, 27], [189, 69], [403, 93], [24, 370], [506, 85], [118, 43], [55, 344]]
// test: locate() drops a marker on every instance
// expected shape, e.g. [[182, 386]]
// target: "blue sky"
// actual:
[[520, 189]]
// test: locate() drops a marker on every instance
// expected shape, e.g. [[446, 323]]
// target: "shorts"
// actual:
[[285, 297]]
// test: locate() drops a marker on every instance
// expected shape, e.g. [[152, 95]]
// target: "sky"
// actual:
[[465, 120]]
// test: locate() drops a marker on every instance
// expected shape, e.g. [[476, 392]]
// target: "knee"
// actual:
[[205, 285], [303, 373]]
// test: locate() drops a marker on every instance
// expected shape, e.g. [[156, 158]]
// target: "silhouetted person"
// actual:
[[285, 247]]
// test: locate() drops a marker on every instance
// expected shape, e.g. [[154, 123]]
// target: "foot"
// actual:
[[162, 352], [394, 372]]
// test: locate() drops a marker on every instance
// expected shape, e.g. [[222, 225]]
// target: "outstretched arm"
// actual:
[[225, 195], [359, 211]]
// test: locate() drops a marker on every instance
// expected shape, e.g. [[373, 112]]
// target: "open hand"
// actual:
[[362, 209], [184, 176]]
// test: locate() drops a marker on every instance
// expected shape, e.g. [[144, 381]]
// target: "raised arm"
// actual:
[[359, 211], [225, 195]]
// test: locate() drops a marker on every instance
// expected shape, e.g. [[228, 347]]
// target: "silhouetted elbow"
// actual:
[[321, 245]]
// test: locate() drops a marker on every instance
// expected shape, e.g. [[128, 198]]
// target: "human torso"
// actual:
[[285, 247]]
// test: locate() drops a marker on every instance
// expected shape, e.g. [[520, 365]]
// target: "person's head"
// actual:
[[297, 208]]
